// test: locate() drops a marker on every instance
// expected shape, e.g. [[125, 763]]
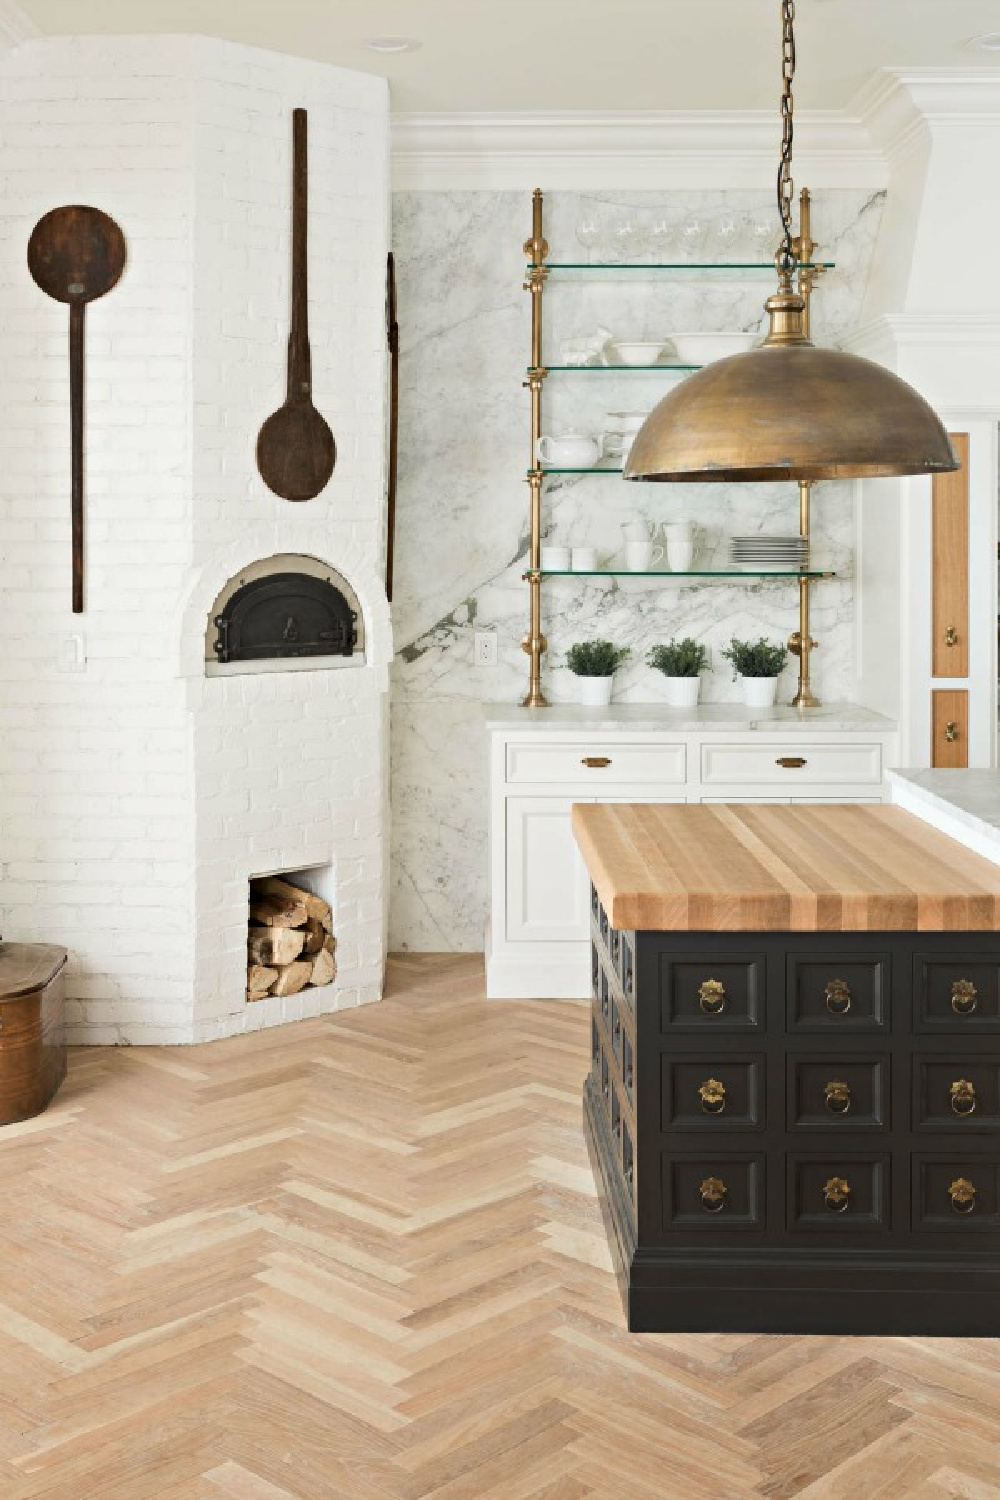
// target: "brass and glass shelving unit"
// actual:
[[539, 270]]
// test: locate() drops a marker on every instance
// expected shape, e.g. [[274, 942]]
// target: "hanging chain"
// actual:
[[785, 187]]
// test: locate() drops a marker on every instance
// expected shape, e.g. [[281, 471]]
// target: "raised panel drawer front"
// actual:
[[712, 1193], [591, 765], [836, 995], [958, 995], [712, 996], [960, 1194], [838, 1093], [792, 766], [838, 1192], [957, 1093], [712, 1092]]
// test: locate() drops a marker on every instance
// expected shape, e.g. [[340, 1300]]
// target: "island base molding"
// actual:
[[869, 1293]]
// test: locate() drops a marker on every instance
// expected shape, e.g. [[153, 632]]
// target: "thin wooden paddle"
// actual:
[[295, 447], [76, 254]]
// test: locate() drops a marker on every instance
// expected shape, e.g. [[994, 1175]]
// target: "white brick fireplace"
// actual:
[[141, 793]]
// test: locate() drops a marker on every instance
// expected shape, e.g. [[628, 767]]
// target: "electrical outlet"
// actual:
[[485, 650]]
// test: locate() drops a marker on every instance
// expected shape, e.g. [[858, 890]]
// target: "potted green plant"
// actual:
[[594, 663], [759, 664], [681, 663]]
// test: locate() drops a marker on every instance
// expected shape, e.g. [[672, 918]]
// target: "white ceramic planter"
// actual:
[[681, 692], [759, 692], [595, 692]]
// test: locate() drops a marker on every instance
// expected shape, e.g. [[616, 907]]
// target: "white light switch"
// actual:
[[73, 653]]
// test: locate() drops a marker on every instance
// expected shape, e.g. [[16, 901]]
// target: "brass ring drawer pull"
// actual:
[[596, 762], [963, 1097], [712, 1094], [962, 1193], [713, 1195], [964, 998], [951, 731], [712, 996], [951, 636], [791, 762], [838, 1097], [838, 997], [837, 1194]]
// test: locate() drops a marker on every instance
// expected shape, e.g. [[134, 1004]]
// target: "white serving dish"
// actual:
[[704, 348], [641, 352]]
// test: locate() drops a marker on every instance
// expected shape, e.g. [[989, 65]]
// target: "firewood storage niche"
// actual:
[[285, 612]]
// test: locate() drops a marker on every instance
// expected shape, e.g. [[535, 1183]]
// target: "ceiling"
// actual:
[[576, 54]]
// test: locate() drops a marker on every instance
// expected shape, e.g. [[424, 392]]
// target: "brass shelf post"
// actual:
[[534, 643], [801, 642]]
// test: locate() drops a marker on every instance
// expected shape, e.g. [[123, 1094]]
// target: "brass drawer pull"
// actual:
[[838, 1097], [712, 996], [951, 636], [596, 762], [712, 1094], [713, 1195], [837, 1194], [791, 762], [962, 1193], [963, 1097], [964, 998], [838, 997]]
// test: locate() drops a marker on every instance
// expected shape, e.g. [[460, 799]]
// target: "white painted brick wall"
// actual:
[[138, 796]]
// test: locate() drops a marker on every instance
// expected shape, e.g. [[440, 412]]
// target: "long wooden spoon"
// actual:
[[76, 254], [295, 447]]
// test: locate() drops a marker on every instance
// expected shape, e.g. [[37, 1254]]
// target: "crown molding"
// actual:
[[16, 25], [642, 150], [897, 107], [929, 330]]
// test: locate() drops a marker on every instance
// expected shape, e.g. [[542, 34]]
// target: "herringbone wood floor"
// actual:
[[362, 1257]]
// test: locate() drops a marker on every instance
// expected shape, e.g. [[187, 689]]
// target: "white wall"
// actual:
[[137, 795]]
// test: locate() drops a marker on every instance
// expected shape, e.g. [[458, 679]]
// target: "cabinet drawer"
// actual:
[[957, 1193], [713, 1193], [712, 996], [588, 766], [838, 1093], [712, 1092], [956, 1093], [960, 995], [835, 996], [838, 1192], [791, 766]]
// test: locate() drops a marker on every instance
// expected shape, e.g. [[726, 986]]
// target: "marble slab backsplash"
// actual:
[[462, 528]]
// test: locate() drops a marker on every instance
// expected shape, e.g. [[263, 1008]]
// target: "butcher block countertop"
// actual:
[[800, 867]]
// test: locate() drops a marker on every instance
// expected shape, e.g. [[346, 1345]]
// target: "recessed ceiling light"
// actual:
[[393, 43], [990, 42]]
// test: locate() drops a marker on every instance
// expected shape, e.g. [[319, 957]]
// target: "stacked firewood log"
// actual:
[[290, 942]]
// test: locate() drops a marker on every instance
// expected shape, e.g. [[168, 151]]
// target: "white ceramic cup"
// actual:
[[556, 559], [641, 556], [584, 559], [635, 531], [680, 555]]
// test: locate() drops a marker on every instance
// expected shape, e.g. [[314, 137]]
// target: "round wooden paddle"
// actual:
[[295, 447], [76, 254]]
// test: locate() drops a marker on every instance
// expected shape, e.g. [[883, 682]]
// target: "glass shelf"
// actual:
[[705, 270], [688, 573], [662, 369]]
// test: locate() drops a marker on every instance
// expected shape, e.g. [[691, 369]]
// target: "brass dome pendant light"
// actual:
[[788, 410]]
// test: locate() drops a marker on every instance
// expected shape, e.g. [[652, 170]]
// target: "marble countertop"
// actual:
[[708, 716], [963, 803]]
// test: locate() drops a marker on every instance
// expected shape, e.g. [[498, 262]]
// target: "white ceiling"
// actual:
[[576, 54]]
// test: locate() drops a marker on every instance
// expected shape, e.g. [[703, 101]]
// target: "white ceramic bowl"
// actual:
[[703, 348], [640, 352]]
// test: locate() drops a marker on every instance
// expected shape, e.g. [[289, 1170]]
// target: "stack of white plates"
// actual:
[[770, 554]]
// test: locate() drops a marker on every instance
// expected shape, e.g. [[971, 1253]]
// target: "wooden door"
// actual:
[[949, 727], [950, 567]]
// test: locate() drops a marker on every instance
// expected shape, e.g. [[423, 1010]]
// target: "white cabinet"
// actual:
[[546, 879], [541, 763]]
